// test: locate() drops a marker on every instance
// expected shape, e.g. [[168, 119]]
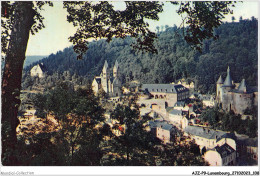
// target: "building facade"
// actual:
[[171, 93]]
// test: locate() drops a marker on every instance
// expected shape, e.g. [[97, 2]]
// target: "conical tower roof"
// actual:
[[228, 80], [242, 87], [105, 67], [220, 80], [116, 65]]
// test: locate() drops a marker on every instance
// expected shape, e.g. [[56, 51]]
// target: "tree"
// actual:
[[233, 19], [92, 19], [134, 146], [78, 113]]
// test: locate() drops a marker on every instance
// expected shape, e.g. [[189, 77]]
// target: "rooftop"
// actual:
[[224, 150], [166, 88], [205, 132], [160, 124]]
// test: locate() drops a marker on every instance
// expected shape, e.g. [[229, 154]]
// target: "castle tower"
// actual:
[[115, 70], [228, 80], [218, 89], [242, 87], [104, 77]]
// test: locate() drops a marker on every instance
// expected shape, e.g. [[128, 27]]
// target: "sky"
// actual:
[[54, 37]]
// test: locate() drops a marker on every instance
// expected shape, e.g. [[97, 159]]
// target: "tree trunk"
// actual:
[[12, 76]]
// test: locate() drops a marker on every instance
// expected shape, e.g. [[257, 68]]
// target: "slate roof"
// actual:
[[159, 124], [244, 88], [205, 133], [166, 88], [179, 104], [224, 150], [228, 80], [176, 112], [220, 80]]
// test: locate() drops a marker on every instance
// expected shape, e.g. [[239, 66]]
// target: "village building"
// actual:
[[223, 155], [38, 70], [237, 99], [111, 84], [208, 100], [170, 93], [161, 130]]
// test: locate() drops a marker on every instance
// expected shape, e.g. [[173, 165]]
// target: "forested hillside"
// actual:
[[31, 59], [236, 47]]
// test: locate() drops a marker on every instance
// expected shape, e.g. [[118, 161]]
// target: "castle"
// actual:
[[236, 97], [111, 84]]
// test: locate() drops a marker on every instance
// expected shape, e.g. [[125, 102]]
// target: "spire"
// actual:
[[105, 67], [220, 80], [228, 80], [242, 87], [116, 64], [105, 64], [115, 69]]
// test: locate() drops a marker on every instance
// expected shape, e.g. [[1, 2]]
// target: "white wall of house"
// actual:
[[37, 71], [213, 158], [163, 135], [174, 118], [229, 141]]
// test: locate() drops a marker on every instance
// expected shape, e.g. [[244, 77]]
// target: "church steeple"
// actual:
[[104, 72], [228, 80], [115, 69]]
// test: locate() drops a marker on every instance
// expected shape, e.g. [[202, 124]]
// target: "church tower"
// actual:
[[105, 77], [115, 70]]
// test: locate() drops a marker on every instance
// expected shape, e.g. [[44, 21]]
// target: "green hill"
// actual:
[[236, 47]]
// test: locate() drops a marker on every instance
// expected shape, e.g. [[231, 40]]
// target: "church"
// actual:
[[234, 96], [111, 84]]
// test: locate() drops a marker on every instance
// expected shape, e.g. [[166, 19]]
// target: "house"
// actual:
[[223, 155], [38, 70], [209, 138], [235, 98], [208, 100], [161, 130], [170, 93], [111, 84], [175, 116]]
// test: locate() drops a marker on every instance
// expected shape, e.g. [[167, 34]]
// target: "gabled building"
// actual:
[[161, 130], [223, 155], [209, 138], [111, 84], [38, 70], [237, 99]]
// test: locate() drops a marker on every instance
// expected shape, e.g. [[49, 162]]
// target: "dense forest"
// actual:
[[236, 47]]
